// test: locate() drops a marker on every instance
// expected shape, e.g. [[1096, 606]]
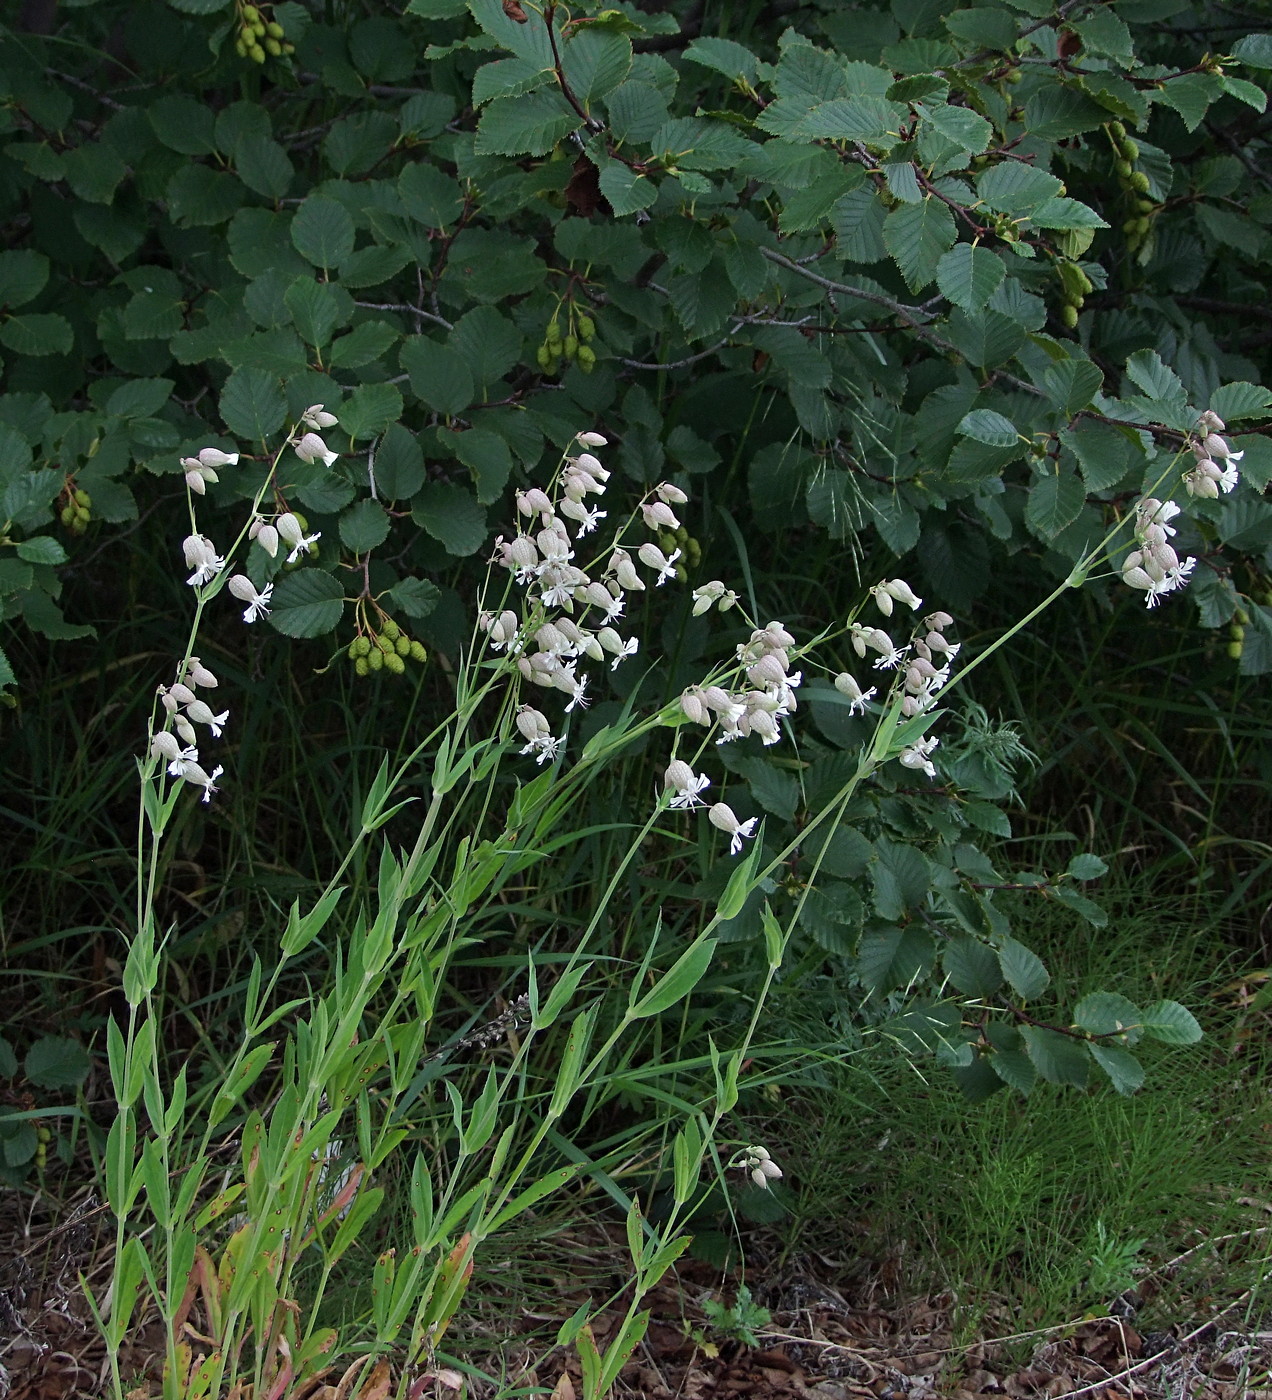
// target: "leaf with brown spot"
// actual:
[[514, 11], [378, 1383], [564, 1388]]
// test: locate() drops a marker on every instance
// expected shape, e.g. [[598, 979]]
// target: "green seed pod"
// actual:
[[1131, 226], [1241, 615], [418, 653], [384, 644], [352, 650], [543, 357], [274, 29], [1141, 226], [393, 662], [1117, 131], [1139, 182], [693, 553], [274, 48], [376, 660], [587, 359], [1145, 206], [1069, 317], [361, 646], [587, 326], [391, 630], [1236, 632], [251, 14], [556, 346], [240, 48], [259, 29], [289, 48], [67, 516], [256, 53], [1235, 649], [1014, 76], [1130, 149], [571, 346], [82, 498], [1124, 169], [402, 646], [362, 666]]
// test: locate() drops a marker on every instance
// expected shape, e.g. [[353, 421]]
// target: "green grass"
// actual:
[[1045, 1209]]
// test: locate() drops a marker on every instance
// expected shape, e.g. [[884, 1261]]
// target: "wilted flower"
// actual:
[[257, 603], [722, 816]]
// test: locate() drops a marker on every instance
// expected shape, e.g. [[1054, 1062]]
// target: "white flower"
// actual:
[[197, 475], [165, 745], [555, 588], [659, 516], [534, 502], [707, 596], [266, 536], [671, 494], [585, 462], [201, 556], [859, 698], [310, 447], [588, 518], [760, 1167], [198, 674], [257, 603], [214, 457], [653, 557], [314, 417], [537, 732], [722, 816], [917, 756], [578, 693], [192, 773], [591, 439], [289, 530], [621, 566], [619, 649], [686, 782], [202, 714]]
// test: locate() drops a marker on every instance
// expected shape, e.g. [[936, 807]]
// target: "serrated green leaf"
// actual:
[[308, 603], [486, 455], [595, 61], [253, 406], [972, 967], [489, 343], [1254, 50], [732, 59], [626, 190], [264, 166], [1107, 1013], [1059, 1059], [399, 464], [417, 597], [56, 1062], [23, 275], [1123, 1069], [902, 877], [1024, 969], [1072, 384], [429, 195], [41, 549], [969, 276], [966, 129], [1087, 867], [1170, 1023], [1012, 187], [317, 309], [37, 333], [890, 957], [451, 515], [529, 125], [989, 427], [1054, 502], [1236, 400], [200, 197], [322, 231], [182, 124], [369, 410], [916, 235], [439, 375], [364, 526], [365, 343]]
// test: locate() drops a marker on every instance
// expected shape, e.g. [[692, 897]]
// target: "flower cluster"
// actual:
[[179, 746], [202, 469], [1153, 566], [308, 446], [569, 612], [765, 662], [759, 1166], [1215, 470]]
